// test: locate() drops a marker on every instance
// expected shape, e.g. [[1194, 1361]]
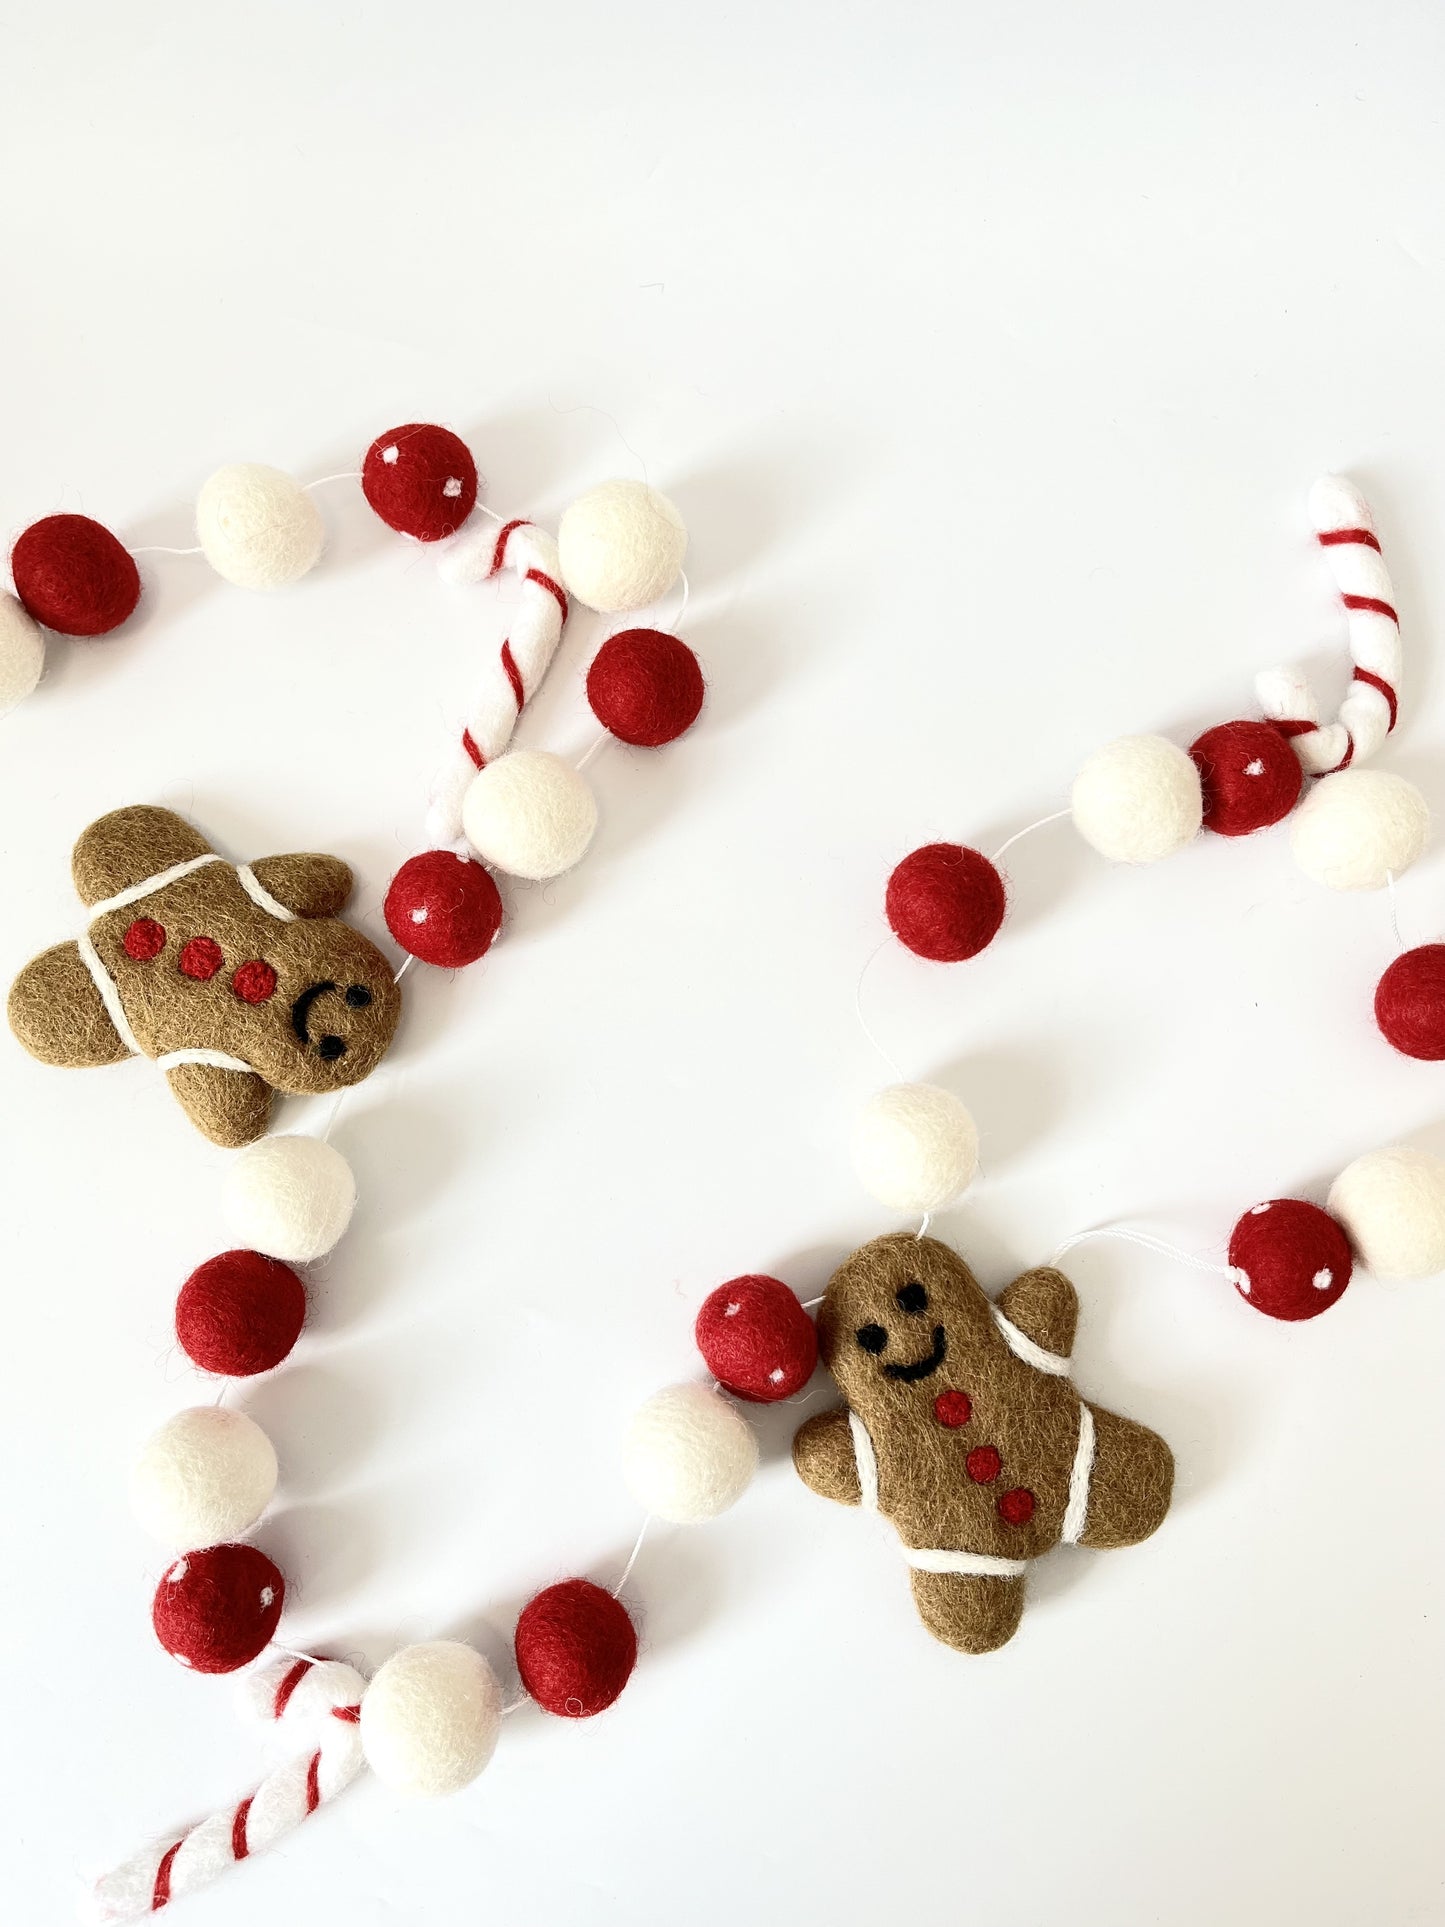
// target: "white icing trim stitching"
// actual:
[[258, 893], [1024, 1347], [1076, 1513]]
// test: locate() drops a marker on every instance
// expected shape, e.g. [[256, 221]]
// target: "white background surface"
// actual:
[[989, 355]]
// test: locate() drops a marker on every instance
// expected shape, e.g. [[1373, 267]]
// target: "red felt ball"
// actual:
[[73, 576], [756, 1339], [443, 908], [1410, 1002], [1249, 774], [576, 1648], [1293, 1260], [421, 480], [945, 902], [645, 687], [240, 1314], [216, 1610]]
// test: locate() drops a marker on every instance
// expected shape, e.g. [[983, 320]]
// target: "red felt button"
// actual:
[[983, 1464], [145, 939], [953, 1409], [253, 981], [201, 958], [1016, 1508]]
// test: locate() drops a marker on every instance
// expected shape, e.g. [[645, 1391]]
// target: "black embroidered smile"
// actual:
[[923, 1367], [329, 1047]]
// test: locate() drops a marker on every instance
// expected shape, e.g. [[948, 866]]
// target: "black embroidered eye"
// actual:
[[873, 1338], [331, 1048], [358, 996], [912, 1297]]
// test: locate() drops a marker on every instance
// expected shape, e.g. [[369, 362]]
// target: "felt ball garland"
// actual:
[[576, 1647], [73, 576], [240, 1313], [421, 480]]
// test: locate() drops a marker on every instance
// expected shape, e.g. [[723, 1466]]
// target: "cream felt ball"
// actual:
[[1359, 827], [1392, 1205], [620, 547], [207, 1475], [22, 652], [257, 526], [430, 1718], [289, 1197], [688, 1454], [915, 1147], [1138, 799], [529, 814]]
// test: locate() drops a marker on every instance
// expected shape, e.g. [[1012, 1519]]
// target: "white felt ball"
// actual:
[[1138, 799], [688, 1454], [1359, 827], [258, 526], [1392, 1205], [620, 546], [915, 1147], [289, 1197], [529, 814], [206, 1476], [430, 1718], [22, 652]]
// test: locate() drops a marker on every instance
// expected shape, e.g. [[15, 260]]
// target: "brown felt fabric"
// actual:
[[309, 885], [1030, 1418], [57, 1013]]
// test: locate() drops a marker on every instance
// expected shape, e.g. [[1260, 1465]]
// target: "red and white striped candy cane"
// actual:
[[318, 1699], [515, 672], [1345, 530]]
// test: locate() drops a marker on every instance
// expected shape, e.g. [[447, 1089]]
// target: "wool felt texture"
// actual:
[[216, 1609], [688, 1454], [1291, 1260], [513, 674], [1392, 1205], [289, 1198], [1138, 799], [239, 982], [316, 1705], [430, 1718], [22, 652], [1249, 775], [530, 814], [963, 1429], [1358, 828], [945, 902], [240, 1313], [645, 687], [74, 576], [1345, 531], [1410, 1003], [576, 1648], [915, 1147], [257, 526], [206, 1475], [620, 546], [756, 1339], [421, 480], [443, 909]]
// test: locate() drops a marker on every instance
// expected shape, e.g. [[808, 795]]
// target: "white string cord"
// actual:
[[1028, 830], [886, 1055], [158, 548], [1394, 911], [594, 748], [632, 1557], [346, 475], [1147, 1242]]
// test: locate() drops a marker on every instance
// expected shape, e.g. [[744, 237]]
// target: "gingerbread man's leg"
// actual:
[[825, 1460], [1130, 1485], [57, 1013], [969, 1613], [231, 1107], [128, 847]]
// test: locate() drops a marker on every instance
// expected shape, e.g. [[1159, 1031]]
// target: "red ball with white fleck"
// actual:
[[756, 1339], [1290, 1259], [421, 480], [443, 909], [1249, 775], [1410, 1003], [216, 1610]]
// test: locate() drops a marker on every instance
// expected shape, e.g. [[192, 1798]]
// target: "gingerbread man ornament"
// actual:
[[963, 1428], [239, 980]]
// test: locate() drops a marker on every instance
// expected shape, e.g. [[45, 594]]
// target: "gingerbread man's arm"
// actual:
[[824, 1458], [130, 846], [306, 884], [1130, 1485], [231, 1107], [1045, 1307]]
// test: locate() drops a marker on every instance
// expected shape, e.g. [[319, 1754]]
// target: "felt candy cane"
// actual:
[[316, 1700], [1345, 530], [514, 674]]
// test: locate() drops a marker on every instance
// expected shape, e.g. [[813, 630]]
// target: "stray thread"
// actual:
[[1028, 830]]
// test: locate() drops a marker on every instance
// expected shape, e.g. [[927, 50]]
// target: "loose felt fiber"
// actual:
[[756, 1339], [430, 1718], [421, 480], [208, 1474], [945, 902], [22, 652], [1138, 799], [1392, 1206], [240, 1313], [688, 1454], [215, 1610], [576, 1648], [620, 546], [443, 908], [530, 814], [1410, 1003], [977, 1437], [74, 576], [1292, 1260], [646, 687], [1249, 774], [257, 526], [1358, 828]]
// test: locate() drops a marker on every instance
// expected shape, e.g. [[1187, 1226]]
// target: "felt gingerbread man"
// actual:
[[239, 980], [963, 1429]]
